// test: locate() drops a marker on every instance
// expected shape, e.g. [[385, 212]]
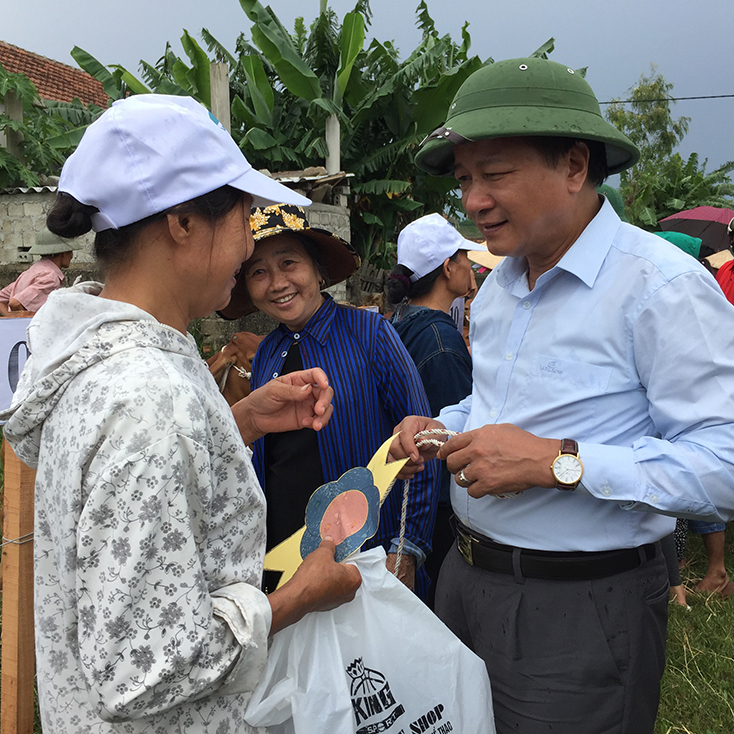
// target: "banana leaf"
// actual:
[[277, 46], [352, 41], [544, 50], [86, 61], [68, 139], [199, 74], [258, 87], [131, 82]]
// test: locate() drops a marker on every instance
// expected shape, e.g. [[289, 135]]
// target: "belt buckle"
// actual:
[[464, 543]]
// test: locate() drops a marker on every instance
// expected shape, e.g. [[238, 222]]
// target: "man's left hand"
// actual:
[[288, 403], [498, 459]]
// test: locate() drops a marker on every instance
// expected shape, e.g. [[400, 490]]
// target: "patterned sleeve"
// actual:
[[153, 633], [403, 395]]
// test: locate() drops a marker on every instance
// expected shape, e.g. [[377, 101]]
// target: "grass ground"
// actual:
[[697, 694]]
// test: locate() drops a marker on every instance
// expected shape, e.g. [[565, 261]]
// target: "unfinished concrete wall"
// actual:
[[23, 213]]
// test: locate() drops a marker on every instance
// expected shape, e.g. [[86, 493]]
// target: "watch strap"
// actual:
[[568, 446]]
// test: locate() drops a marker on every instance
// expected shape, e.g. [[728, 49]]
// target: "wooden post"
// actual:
[[333, 145], [18, 653], [219, 85]]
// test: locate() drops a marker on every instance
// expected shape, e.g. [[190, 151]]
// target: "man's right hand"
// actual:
[[404, 444]]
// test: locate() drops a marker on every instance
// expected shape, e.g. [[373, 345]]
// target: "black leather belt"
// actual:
[[485, 553]]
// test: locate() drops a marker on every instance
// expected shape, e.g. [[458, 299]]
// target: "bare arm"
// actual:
[[318, 585]]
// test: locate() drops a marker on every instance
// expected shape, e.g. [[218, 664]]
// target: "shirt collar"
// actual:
[[583, 259], [319, 325]]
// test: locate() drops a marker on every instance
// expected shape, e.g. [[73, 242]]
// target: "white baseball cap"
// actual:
[[150, 152], [425, 243]]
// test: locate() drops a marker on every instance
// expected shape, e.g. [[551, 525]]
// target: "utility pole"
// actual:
[[219, 82]]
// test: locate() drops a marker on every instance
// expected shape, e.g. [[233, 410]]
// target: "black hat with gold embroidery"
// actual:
[[336, 256]]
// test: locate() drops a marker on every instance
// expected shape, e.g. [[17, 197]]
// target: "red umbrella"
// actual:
[[707, 222]]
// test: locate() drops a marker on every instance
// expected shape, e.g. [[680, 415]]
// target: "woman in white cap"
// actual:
[[150, 522], [433, 270], [31, 289]]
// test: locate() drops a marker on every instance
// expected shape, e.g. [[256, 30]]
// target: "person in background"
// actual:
[[31, 289], [150, 523], [713, 534], [725, 274], [374, 380], [433, 270], [602, 407]]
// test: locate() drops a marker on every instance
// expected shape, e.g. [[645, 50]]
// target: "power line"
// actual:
[[668, 99]]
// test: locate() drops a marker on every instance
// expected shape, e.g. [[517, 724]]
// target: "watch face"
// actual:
[[567, 469]]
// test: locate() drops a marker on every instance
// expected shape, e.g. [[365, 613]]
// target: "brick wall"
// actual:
[[22, 214]]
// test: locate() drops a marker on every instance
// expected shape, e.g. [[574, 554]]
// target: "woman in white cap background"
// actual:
[[150, 522], [373, 377], [433, 270], [31, 289]]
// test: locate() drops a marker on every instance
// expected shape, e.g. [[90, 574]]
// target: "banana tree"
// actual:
[[286, 87]]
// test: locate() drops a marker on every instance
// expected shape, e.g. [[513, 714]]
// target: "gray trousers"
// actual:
[[564, 657]]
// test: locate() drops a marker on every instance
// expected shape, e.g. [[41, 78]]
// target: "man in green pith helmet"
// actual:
[[602, 406]]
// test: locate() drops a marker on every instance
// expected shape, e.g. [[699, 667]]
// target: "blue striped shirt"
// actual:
[[376, 385]]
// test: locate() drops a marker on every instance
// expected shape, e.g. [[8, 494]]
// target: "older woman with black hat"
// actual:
[[374, 379]]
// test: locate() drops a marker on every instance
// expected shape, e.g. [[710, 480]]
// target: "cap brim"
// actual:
[[467, 245], [265, 191], [485, 258], [437, 156], [719, 258]]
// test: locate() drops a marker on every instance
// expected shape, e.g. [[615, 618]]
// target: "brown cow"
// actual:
[[231, 367]]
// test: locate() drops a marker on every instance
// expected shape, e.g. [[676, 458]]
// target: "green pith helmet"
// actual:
[[48, 243], [524, 97]]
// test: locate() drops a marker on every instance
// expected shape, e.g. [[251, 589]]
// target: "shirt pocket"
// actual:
[[556, 384]]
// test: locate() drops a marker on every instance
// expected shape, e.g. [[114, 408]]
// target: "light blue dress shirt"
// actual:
[[627, 346]]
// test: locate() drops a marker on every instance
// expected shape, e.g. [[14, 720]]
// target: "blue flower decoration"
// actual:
[[348, 510]]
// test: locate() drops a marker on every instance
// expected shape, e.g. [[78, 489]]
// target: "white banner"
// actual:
[[13, 355]]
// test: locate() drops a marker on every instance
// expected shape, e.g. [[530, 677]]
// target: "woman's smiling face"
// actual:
[[283, 281]]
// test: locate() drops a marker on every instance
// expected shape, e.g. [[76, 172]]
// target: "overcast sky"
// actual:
[[689, 41]]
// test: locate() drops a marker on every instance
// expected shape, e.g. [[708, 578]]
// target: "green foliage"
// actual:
[[648, 120], [676, 185], [662, 182], [42, 123], [283, 87]]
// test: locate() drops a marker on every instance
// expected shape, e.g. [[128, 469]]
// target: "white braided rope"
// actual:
[[427, 438], [424, 438]]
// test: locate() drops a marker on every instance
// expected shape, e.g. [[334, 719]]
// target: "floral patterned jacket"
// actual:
[[150, 526]]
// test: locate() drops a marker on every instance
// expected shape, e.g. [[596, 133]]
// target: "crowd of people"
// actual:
[[570, 439]]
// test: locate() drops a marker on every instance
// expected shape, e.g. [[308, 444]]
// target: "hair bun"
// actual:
[[68, 217]]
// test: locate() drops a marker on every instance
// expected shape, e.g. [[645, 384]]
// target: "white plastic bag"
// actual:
[[381, 663]]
